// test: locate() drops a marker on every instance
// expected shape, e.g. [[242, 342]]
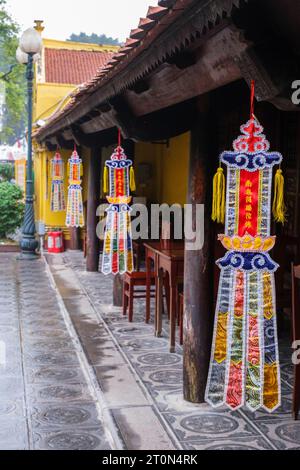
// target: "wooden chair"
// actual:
[[180, 317], [138, 253], [296, 334], [130, 282], [286, 251]]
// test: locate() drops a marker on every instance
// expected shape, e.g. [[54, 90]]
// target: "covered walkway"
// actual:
[[132, 354]]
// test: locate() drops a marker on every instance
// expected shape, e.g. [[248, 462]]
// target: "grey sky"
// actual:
[[62, 17]]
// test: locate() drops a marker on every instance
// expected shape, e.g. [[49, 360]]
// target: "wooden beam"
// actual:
[[195, 73], [63, 143], [104, 139], [93, 201], [160, 125], [140, 87], [198, 274]]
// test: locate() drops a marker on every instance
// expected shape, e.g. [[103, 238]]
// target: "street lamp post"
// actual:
[[29, 47]]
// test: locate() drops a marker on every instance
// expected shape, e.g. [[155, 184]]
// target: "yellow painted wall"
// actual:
[[175, 165], [78, 46], [48, 98], [170, 165]]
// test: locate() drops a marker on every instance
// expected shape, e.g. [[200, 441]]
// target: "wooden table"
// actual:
[[165, 260], [151, 249]]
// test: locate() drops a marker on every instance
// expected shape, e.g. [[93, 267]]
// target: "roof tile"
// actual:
[[146, 24], [137, 33], [155, 13], [73, 67], [131, 42]]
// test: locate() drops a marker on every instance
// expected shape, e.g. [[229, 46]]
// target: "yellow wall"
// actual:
[[48, 98], [78, 46], [170, 164]]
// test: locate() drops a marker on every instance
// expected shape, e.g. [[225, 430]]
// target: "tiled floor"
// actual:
[[58, 353], [46, 399], [195, 426]]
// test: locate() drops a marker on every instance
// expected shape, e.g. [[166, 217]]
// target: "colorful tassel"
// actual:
[[218, 206], [105, 180], [132, 180], [278, 208], [74, 216]]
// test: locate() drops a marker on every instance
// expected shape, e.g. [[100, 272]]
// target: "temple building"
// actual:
[[178, 90]]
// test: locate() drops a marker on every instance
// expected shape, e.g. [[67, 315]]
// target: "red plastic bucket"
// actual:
[[56, 242]]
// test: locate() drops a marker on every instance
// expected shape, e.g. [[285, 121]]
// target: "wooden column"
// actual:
[[75, 238], [93, 201], [198, 282]]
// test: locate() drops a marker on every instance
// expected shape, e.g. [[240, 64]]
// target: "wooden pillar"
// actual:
[[75, 238], [198, 282], [93, 201]]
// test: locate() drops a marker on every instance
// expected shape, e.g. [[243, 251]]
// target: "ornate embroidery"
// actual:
[[57, 203], [118, 251], [74, 216], [244, 366]]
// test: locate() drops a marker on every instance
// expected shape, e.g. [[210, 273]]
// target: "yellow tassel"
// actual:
[[278, 208], [105, 180], [218, 207], [132, 180]]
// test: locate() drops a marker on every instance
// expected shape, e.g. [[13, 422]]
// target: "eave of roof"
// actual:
[[113, 79]]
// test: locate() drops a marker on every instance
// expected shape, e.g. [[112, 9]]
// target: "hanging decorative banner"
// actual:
[[117, 250], [57, 202], [244, 366], [75, 206]]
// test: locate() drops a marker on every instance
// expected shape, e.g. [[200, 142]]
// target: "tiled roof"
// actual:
[[73, 66]]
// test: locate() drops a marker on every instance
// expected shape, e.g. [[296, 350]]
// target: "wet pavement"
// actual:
[[79, 376], [159, 375], [47, 400]]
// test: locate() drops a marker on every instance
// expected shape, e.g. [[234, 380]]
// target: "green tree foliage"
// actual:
[[94, 39], [15, 84], [11, 208], [6, 171]]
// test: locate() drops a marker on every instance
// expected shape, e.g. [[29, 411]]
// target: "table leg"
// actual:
[[159, 303], [148, 287], [173, 302]]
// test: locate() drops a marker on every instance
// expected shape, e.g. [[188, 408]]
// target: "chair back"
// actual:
[[296, 302], [296, 334]]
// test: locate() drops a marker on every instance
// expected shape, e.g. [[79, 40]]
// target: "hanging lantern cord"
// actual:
[[252, 96]]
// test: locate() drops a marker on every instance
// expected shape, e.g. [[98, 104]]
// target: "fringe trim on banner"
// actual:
[[278, 208], [218, 206], [105, 180], [132, 180]]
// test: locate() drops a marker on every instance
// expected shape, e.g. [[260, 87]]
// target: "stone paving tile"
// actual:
[[83, 439], [195, 426], [54, 375], [249, 443], [156, 437], [119, 386], [46, 400]]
